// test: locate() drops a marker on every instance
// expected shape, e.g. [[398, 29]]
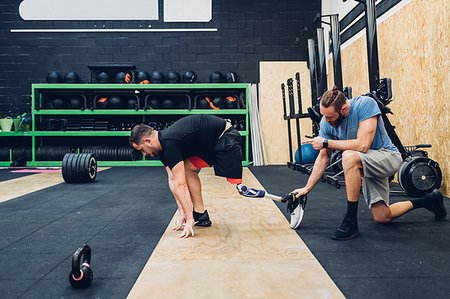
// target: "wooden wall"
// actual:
[[274, 127], [413, 46]]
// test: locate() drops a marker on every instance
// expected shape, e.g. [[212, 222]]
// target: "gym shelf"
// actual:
[[82, 133], [41, 112], [140, 112], [99, 163], [90, 133], [16, 134]]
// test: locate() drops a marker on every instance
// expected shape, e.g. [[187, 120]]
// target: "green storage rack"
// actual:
[[89, 91]]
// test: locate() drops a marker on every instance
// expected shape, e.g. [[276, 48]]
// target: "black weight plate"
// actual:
[[4, 153], [78, 168], [73, 168], [120, 154], [115, 153], [92, 166], [109, 153], [84, 170], [132, 154], [69, 169], [64, 167]]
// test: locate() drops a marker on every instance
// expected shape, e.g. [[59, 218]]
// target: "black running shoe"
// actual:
[[202, 219], [437, 205], [347, 230]]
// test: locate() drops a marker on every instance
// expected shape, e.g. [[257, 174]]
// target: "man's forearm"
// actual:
[[319, 168], [177, 199], [183, 198], [351, 144]]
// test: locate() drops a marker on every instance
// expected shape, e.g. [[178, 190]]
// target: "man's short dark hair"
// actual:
[[333, 98], [139, 132]]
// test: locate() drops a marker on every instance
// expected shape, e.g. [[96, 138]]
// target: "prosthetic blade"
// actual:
[[274, 197]]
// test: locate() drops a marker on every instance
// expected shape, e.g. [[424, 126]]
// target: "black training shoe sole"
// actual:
[[204, 223], [354, 235]]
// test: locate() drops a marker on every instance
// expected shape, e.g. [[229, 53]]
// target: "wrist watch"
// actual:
[[325, 143]]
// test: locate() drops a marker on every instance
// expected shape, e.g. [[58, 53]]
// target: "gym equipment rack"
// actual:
[[36, 137]]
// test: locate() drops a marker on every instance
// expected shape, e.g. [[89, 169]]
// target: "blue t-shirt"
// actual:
[[361, 108]]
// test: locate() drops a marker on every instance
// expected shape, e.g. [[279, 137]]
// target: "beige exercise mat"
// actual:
[[18, 187], [248, 252], [27, 184]]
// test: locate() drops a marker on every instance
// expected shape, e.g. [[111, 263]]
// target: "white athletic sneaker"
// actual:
[[297, 209]]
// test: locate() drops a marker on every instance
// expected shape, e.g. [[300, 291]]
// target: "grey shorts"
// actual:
[[378, 166]]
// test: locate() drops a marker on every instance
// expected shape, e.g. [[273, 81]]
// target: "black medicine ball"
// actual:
[[218, 102], [173, 77], [132, 103], [154, 104], [71, 77], [216, 77], [182, 103], [230, 102], [202, 103], [58, 103], [102, 77], [102, 103], [141, 76], [53, 77], [157, 77], [74, 103], [190, 77], [168, 104], [115, 102], [232, 77], [122, 77]]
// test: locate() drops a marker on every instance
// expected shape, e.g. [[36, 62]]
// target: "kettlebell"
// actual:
[[81, 275]]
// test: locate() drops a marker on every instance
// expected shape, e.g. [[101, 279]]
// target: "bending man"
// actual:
[[192, 143]]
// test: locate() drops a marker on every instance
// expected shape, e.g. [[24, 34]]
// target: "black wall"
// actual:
[[248, 32]]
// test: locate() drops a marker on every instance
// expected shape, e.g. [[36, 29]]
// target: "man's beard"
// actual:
[[336, 123]]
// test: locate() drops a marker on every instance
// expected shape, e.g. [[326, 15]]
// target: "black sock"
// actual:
[[423, 202], [352, 209], [197, 215]]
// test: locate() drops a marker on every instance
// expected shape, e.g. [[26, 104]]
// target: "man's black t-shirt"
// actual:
[[194, 135]]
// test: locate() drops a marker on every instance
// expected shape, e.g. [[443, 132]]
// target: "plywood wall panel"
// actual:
[[413, 47], [274, 127], [355, 67]]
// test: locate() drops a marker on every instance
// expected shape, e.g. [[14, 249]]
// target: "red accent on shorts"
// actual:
[[234, 181], [198, 162]]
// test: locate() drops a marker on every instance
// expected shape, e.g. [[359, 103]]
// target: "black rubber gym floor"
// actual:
[[6, 174], [407, 258], [123, 215]]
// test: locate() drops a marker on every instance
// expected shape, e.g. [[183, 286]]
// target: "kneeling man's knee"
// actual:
[[381, 219], [381, 213], [350, 159]]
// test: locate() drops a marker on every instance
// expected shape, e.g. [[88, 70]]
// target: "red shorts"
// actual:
[[199, 164]]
